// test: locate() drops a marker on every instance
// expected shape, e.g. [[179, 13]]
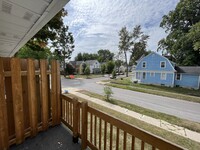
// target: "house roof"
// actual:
[[79, 63], [90, 62], [188, 69], [22, 19]]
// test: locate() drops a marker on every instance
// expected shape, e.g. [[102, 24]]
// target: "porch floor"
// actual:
[[55, 138]]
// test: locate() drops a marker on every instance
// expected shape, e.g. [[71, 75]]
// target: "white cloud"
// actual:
[[95, 23]]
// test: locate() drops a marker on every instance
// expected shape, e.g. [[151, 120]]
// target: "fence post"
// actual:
[[84, 125], [75, 120], [3, 112]]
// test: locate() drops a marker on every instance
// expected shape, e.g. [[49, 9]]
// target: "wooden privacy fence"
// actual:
[[29, 98], [99, 130]]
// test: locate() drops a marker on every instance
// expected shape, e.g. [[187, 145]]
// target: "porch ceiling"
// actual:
[[20, 20]]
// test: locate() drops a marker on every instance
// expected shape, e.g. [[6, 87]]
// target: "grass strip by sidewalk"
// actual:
[[194, 126], [175, 92], [174, 138]]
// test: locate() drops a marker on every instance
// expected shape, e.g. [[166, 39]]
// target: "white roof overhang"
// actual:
[[20, 20]]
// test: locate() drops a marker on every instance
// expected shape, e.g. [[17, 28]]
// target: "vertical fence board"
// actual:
[[54, 91], [44, 94], [33, 103], [3, 112], [17, 99], [25, 94]]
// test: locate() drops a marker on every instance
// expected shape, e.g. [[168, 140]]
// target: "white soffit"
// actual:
[[20, 20]]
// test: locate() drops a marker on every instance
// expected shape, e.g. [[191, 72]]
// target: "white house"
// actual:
[[94, 66]]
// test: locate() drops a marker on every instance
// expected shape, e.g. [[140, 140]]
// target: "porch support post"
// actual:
[[75, 120], [84, 125]]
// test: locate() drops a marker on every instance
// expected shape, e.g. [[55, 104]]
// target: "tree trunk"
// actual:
[[126, 63]]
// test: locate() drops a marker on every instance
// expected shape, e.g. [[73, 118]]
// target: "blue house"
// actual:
[[158, 70]]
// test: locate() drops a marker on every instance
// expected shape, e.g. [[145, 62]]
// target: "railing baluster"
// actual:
[[133, 143], [95, 130], [111, 135], [142, 147], [105, 134], [125, 136], [117, 139], [91, 126], [99, 133]]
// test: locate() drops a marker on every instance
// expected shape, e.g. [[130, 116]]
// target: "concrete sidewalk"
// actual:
[[156, 122]]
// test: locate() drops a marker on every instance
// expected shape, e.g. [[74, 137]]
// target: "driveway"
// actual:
[[175, 107]]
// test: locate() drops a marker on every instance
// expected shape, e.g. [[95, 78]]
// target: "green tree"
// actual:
[[110, 65], [182, 40], [69, 69], [103, 69], [26, 52], [105, 55], [79, 57], [118, 64], [134, 42], [87, 71], [64, 46]]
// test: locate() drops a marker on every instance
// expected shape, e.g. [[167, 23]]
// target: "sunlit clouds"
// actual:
[[95, 23]]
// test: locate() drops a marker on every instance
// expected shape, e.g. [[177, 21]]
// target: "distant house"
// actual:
[[158, 70], [94, 66], [77, 65]]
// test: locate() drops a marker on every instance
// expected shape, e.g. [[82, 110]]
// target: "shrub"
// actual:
[[87, 71], [108, 92]]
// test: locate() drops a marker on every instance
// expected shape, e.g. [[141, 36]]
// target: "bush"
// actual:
[[114, 74], [87, 71], [108, 92]]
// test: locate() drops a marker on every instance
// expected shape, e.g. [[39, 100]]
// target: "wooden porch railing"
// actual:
[[99, 130], [29, 98]]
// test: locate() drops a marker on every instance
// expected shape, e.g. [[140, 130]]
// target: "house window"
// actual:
[[162, 64], [143, 64], [178, 76], [152, 74], [163, 76], [144, 75]]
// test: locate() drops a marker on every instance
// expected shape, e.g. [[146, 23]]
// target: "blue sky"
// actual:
[[95, 24]]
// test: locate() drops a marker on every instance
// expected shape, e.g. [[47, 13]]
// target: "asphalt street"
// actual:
[[180, 108]]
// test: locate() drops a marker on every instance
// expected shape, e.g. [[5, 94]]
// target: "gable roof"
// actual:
[[90, 62], [188, 69], [157, 55]]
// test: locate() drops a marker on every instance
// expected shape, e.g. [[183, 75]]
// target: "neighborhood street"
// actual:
[[175, 107]]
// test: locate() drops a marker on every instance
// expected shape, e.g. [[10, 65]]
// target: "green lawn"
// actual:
[[194, 126], [184, 142], [175, 92]]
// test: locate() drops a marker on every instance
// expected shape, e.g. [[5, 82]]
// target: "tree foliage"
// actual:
[[105, 55], [182, 26], [110, 65], [63, 45], [103, 69], [134, 42], [85, 56], [87, 71]]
